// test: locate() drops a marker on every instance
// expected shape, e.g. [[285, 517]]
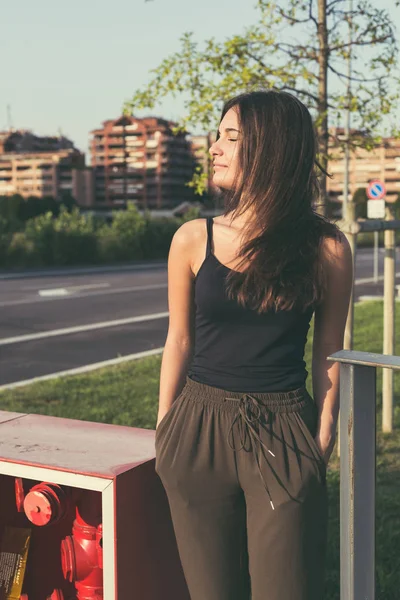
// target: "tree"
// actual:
[[122, 240], [67, 199], [34, 206], [299, 48], [10, 209], [360, 199]]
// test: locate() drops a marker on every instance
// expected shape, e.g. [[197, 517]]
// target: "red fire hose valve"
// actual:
[[59, 595], [81, 558], [99, 545], [45, 503]]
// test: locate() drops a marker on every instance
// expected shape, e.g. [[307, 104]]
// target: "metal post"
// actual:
[[357, 482], [388, 322], [358, 469], [376, 256]]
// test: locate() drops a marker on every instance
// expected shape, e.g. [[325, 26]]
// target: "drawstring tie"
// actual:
[[250, 411]]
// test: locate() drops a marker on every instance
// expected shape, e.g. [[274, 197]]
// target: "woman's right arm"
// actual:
[[179, 344]]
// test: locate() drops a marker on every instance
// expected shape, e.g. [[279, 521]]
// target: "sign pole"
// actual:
[[388, 322], [376, 256], [378, 209]]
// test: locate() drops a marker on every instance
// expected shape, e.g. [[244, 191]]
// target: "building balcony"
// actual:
[[23, 181], [134, 164], [7, 189], [133, 142], [152, 164], [392, 176], [114, 140], [135, 154]]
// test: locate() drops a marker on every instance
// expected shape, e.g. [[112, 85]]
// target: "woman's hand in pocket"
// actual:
[[160, 418], [161, 415], [325, 440]]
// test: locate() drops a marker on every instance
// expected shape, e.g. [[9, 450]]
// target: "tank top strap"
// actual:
[[209, 235]]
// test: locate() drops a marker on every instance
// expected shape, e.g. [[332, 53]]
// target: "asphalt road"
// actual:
[[57, 321]]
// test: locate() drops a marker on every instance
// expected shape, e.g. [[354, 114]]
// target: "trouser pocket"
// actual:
[[165, 428], [308, 420], [166, 417]]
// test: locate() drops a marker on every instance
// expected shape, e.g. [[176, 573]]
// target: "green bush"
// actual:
[[5, 237], [40, 232], [34, 206], [21, 251], [122, 240], [10, 209], [74, 238], [64, 240], [157, 237]]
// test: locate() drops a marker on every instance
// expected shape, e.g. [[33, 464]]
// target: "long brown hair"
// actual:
[[278, 179]]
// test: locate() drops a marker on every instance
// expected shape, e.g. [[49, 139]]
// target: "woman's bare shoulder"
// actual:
[[189, 235], [336, 250], [187, 240]]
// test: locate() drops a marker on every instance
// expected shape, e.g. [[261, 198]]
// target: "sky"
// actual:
[[69, 66]]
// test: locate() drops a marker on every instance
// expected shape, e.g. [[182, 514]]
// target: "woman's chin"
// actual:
[[218, 180]]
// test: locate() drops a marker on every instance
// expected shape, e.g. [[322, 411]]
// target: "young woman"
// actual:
[[241, 446]]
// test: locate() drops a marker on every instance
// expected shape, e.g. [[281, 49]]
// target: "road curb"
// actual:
[[84, 369], [82, 270]]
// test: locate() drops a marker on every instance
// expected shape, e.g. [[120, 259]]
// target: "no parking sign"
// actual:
[[376, 192]]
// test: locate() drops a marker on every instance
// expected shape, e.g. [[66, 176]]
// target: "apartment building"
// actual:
[[141, 160], [383, 162], [32, 165]]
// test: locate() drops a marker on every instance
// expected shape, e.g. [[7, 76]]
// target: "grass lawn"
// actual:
[[127, 394]]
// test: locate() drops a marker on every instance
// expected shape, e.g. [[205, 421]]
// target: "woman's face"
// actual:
[[224, 151]]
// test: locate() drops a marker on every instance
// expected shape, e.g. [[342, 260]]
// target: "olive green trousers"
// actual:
[[246, 486]]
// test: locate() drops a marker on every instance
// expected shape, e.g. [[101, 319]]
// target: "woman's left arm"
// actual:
[[329, 326]]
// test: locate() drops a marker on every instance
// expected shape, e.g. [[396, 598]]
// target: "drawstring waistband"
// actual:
[[251, 405], [246, 403]]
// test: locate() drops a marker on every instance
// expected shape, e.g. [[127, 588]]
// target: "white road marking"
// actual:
[[135, 288], [84, 369], [72, 289], [53, 292], [80, 328]]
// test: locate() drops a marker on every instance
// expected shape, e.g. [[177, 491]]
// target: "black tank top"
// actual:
[[235, 348]]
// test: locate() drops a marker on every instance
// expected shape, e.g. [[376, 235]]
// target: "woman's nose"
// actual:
[[215, 149]]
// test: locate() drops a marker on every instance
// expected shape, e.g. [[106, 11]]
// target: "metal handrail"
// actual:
[[357, 421]]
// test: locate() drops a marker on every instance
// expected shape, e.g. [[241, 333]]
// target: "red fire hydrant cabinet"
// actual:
[[99, 520]]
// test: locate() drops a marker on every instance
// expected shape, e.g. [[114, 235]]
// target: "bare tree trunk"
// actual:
[[322, 128]]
